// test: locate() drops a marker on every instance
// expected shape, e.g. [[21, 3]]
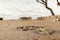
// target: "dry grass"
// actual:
[[8, 30]]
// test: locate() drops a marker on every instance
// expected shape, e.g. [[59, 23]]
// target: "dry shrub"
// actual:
[[1, 18], [25, 18], [41, 18]]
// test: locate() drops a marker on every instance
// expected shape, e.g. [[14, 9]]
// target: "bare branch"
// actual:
[[40, 2], [58, 3], [49, 8], [45, 3]]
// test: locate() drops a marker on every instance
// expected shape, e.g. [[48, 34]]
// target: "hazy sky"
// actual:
[[14, 9]]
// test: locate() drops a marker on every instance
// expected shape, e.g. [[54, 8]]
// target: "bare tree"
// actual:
[[44, 2]]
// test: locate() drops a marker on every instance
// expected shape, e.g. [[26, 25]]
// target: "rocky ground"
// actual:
[[30, 30]]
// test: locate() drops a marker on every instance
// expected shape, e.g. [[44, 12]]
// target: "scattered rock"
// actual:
[[25, 28], [37, 30], [51, 32]]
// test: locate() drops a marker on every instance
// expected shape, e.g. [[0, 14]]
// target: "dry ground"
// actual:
[[9, 31]]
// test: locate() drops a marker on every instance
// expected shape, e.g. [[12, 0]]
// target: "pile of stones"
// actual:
[[26, 28], [36, 29]]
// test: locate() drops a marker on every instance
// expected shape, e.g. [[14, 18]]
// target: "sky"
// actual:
[[14, 9]]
